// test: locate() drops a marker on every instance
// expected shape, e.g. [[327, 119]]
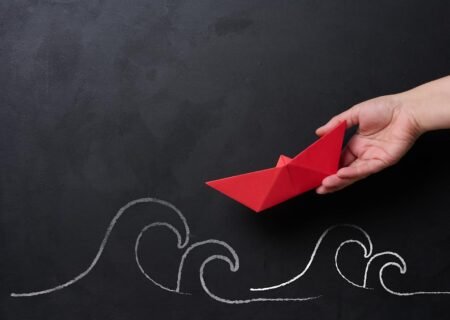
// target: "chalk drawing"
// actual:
[[181, 244], [368, 255], [233, 260]]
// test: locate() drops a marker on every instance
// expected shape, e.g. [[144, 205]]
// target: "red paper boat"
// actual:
[[263, 189]]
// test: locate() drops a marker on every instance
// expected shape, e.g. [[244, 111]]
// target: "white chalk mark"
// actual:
[[201, 243], [183, 258], [336, 264], [380, 254], [234, 267], [402, 267], [367, 253], [105, 240], [136, 255], [180, 244]]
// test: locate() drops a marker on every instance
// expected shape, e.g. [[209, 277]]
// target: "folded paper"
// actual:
[[263, 189]]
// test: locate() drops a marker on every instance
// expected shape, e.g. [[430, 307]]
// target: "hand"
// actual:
[[387, 130]]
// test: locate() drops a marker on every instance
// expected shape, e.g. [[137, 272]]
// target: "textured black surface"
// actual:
[[106, 101]]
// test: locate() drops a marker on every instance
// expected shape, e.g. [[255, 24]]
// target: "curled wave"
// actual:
[[182, 243], [400, 264], [234, 266], [367, 253], [105, 241], [233, 260]]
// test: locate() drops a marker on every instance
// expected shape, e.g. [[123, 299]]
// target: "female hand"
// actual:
[[387, 130]]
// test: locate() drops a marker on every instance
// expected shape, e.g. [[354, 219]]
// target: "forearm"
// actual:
[[429, 104]]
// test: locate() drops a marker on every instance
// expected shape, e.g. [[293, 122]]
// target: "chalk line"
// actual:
[[234, 262], [367, 253], [402, 267], [234, 268], [180, 244], [336, 264], [136, 255], [104, 242]]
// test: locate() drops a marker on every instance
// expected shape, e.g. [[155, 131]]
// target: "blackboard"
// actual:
[[104, 102]]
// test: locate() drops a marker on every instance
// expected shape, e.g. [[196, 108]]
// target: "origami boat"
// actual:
[[259, 190]]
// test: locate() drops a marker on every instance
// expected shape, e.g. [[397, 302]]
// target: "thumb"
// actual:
[[350, 116]]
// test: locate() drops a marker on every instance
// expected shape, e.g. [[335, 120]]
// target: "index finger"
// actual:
[[350, 116]]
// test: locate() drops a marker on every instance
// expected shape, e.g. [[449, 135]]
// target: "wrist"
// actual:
[[412, 107], [428, 105]]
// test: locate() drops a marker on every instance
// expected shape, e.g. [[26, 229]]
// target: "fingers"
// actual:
[[357, 170], [350, 116], [347, 156], [360, 169], [334, 183]]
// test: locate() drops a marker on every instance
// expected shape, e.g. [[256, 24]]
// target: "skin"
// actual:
[[388, 127]]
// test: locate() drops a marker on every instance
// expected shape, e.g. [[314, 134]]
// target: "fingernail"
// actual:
[[325, 181], [321, 190]]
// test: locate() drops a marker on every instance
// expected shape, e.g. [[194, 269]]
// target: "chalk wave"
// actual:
[[232, 259], [368, 254], [182, 243]]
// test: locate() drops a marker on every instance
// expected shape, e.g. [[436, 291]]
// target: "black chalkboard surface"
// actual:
[[113, 114]]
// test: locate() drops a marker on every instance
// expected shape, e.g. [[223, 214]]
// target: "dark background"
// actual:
[[106, 101]]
